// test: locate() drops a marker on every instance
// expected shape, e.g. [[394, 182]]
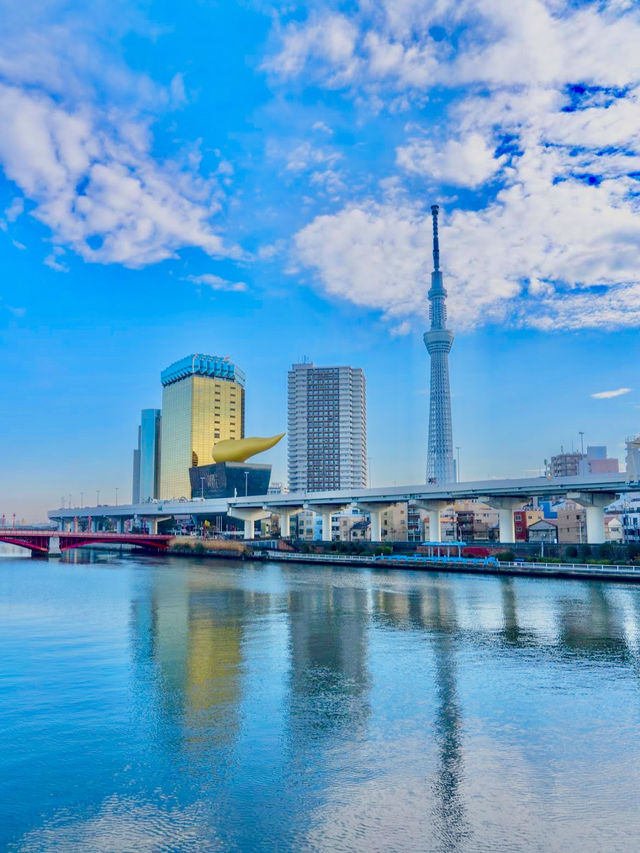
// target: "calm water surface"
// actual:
[[166, 704]]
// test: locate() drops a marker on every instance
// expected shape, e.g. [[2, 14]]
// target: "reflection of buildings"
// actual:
[[193, 637], [329, 673], [202, 403], [591, 627]]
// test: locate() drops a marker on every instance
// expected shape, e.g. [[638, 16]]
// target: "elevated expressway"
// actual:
[[592, 491]]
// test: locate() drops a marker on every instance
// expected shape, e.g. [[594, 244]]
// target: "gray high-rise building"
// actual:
[[438, 340], [327, 429], [146, 458]]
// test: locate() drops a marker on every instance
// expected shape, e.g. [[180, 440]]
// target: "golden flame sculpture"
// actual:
[[240, 449]]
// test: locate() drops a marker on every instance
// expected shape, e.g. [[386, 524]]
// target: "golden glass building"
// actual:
[[202, 403]]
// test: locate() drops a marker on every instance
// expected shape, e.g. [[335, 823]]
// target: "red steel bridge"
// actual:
[[49, 541]]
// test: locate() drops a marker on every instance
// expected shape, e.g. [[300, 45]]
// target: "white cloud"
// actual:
[[15, 209], [329, 38], [215, 282], [605, 395], [322, 127], [582, 268], [420, 43], [556, 245], [52, 260], [305, 156], [77, 142], [468, 162]]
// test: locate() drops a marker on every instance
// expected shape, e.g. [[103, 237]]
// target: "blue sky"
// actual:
[[253, 179]]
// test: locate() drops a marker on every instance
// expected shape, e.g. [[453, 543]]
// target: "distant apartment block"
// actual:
[[594, 461], [565, 464], [327, 432]]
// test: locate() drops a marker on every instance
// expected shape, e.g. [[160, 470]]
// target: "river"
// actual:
[[177, 704]]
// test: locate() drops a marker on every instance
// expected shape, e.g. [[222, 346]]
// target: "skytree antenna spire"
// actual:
[[438, 341]]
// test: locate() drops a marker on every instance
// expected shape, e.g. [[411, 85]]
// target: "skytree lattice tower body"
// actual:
[[438, 341]]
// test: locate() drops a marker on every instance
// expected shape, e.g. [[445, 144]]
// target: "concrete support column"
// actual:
[[326, 525], [435, 533], [506, 506], [595, 524], [120, 525], [506, 525], [326, 511], [376, 524], [375, 511], [594, 504], [285, 516], [152, 524], [284, 519], [249, 516], [434, 509]]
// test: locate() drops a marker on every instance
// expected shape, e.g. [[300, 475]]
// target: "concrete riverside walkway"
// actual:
[[474, 565]]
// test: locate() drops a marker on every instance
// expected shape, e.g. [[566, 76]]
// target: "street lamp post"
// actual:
[[458, 464], [246, 483], [202, 479], [116, 496]]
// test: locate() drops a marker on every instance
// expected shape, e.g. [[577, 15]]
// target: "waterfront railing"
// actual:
[[474, 564]]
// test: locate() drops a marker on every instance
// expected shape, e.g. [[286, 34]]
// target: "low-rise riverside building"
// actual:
[[543, 530]]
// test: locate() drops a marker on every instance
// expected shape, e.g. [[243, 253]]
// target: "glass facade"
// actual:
[[149, 446], [229, 480], [202, 403]]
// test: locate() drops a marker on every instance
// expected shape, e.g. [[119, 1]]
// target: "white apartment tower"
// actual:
[[327, 428]]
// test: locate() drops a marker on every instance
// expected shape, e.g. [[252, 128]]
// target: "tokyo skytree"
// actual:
[[438, 341]]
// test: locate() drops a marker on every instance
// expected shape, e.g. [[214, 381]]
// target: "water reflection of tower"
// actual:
[[433, 608], [329, 673]]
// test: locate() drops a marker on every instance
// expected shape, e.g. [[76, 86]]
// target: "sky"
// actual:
[[254, 179]]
